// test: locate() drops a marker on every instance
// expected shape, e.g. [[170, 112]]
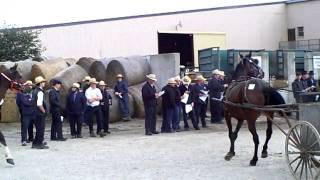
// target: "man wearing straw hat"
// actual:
[[55, 110], [27, 110], [76, 105], [149, 96], [40, 113], [94, 96], [200, 100], [215, 90], [85, 83], [185, 89], [121, 91], [176, 116], [105, 104], [168, 105]]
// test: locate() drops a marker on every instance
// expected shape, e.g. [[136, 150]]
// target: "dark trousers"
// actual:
[[167, 114], [26, 123], [216, 111], [105, 117], [186, 115], [96, 110], [75, 120], [150, 119], [200, 113], [39, 122], [124, 106], [176, 117], [56, 126], [30, 127]]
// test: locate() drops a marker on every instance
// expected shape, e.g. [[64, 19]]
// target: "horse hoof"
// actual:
[[10, 161], [253, 163], [229, 156], [264, 154]]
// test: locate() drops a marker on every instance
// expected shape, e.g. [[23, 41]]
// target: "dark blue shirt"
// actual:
[[76, 102]]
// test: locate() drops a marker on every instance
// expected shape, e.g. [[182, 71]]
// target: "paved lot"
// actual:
[[128, 154]]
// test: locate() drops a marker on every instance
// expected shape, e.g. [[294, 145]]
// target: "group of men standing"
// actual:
[[304, 83], [84, 100], [182, 96]]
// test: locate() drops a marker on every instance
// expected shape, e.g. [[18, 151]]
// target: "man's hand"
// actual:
[[157, 95]]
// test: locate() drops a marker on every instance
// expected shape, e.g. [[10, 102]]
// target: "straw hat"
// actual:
[[152, 77], [200, 78], [186, 80], [39, 80], [222, 73], [102, 83], [86, 78], [191, 73], [216, 72], [177, 78], [28, 83], [93, 81], [76, 85], [171, 81], [119, 76]]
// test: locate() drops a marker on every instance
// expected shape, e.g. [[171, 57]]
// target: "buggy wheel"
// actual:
[[303, 151]]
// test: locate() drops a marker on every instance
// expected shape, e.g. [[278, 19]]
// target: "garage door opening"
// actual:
[[177, 43]]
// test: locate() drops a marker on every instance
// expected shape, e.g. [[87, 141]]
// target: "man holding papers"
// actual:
[[149, 96], [187, 103], [201, 95], [215, 89], [168, 106]]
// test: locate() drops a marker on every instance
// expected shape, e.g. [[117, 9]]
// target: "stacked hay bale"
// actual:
[[135, 92], [85, 63], [9, 110], [133, 68], [98, 69], [114, 114], [49, 68]]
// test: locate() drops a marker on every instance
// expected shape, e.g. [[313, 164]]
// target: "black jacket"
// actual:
[[197, 90], [215, 88], [76, 102], [27, 104], [177, 95], [148, 95], [312, 82], [54, 100], [183, 89], [297, 88], [168, 98], [106, 100]]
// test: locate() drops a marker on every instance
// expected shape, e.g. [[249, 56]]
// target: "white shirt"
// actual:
[[93, 93], [40, 98]]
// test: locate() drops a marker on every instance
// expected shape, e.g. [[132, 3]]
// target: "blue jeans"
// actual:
[[26, 121], [176, 118], [124, 106]]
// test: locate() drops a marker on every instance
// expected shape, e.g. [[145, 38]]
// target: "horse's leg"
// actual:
[[264, 153], [252, 129], [232, 136], [8, 155]]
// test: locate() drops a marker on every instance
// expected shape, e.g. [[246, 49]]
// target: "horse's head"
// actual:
[[248, 67], [11, 78]]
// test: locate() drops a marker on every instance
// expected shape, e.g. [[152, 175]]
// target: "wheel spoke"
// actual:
[[294, 146], [294, 152], [298, 166], [310, 168], [313, 152], [301, 172], [295, 159], [294, 142], [311, 146], [306, 167]]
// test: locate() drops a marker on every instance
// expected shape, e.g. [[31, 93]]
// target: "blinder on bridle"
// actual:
[[12, 76], [255, 70]]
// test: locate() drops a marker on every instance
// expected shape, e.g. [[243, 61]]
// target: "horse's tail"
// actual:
[[273, 97]]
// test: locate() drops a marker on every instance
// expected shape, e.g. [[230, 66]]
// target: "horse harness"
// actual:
[[13, 84]]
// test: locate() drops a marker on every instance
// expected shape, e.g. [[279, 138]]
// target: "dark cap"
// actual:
[[298, 74], [311, 73], [304, 72], [55, 81]]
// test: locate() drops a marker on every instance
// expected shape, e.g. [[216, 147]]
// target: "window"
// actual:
[[300, 32]]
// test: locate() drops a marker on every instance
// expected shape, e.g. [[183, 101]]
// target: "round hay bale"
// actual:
[[133, 68], [135, 92], [98, 69], [24, 68], [9, 109], [49, 68], [86, 62], [68, 76], [115, 114], [6, 65]]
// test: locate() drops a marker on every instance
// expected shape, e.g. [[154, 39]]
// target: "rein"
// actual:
[[12, 83]]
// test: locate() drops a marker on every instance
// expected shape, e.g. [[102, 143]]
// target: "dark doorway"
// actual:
[[177, 43], [292, 34]]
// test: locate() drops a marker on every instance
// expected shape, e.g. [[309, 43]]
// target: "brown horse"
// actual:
[[8, 79], [248, 89]]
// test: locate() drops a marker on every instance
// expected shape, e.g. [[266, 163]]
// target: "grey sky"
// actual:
[[40, 12]]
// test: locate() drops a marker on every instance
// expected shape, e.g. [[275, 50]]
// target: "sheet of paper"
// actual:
[[61, 118], [188, 108], [251, 86], [161, 93], [203, 98], [120, 96], [185, 98], [205, 92]]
